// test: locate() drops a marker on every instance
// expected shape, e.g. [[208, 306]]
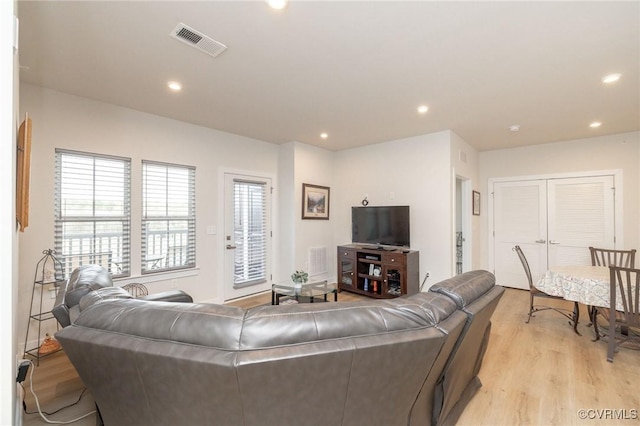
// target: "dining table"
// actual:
[[584, 284]]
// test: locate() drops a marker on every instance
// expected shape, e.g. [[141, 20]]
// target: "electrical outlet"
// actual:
[[23, 367]]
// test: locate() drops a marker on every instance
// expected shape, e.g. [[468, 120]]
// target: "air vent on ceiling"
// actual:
[[198, 40]]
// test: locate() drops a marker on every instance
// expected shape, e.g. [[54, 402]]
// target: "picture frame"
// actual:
[[476, 203], [23, 171], [315, 201]]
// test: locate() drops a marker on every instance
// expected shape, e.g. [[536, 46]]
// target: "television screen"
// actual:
[[380, 225]]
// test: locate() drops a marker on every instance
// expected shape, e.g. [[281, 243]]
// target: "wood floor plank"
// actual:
[[539, 373]]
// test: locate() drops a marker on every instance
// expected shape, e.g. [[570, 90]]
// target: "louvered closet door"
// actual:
[[581, 214], [520, 218], [554, 221]]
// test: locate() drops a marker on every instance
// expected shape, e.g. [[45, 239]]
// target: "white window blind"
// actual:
[[168, 217], [249, 232], [92, 211]]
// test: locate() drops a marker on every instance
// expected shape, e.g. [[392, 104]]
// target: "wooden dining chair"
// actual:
[[610, 257], [622, 326], [534, 292]]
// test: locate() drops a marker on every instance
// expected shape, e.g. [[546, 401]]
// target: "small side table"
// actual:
[[303, 292]]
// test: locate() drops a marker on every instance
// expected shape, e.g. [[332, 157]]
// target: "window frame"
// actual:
[[118, 264], [165, 260]]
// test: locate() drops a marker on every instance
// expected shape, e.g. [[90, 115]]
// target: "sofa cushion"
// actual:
[[215, 326], [102, 294], [269, 326], [84, 279], [466, 288]]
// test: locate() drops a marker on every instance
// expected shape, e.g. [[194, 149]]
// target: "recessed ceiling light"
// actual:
[[611, 78], [324, 135], [174, 85], [595, 124], [514, 128], [422, 109], [277, 4]]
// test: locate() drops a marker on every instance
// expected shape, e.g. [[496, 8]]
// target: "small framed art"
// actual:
[[315, 201], [476, 203]]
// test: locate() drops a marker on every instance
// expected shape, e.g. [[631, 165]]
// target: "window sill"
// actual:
[[160, 276]]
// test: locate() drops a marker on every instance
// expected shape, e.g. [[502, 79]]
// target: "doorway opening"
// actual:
[[462, 241]]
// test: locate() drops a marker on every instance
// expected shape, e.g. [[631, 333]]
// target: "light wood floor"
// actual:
[[539, 373]]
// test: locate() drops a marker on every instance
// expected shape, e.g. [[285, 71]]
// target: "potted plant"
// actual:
[[299, 277]]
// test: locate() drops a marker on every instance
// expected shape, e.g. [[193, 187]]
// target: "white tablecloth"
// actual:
[[588, 285]]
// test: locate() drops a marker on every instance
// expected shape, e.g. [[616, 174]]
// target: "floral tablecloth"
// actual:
[[588, 285]]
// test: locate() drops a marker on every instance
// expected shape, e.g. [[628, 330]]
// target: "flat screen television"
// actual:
[[380, 225]]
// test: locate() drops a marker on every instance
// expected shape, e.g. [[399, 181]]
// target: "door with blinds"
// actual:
[[554, 221], [247, 235]]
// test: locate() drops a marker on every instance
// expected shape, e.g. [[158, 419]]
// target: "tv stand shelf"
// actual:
[[379, 273]]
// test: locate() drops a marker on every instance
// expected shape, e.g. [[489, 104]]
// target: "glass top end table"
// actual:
[[306, 292]]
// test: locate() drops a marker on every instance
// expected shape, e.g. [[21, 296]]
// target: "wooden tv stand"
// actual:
[[379, 273]]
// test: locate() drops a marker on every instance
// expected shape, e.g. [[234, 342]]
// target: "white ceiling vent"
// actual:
[[198, 40]]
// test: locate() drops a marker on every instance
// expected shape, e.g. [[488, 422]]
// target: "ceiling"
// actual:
[[355, 70]]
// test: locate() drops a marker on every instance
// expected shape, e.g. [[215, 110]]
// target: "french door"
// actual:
[[247, 235], [554, 221]]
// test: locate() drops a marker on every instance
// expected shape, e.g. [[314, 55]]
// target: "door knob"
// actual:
[[541, 241], [230, 247], [554, 242]]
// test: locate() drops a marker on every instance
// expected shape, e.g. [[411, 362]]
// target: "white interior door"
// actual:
[[247, 235], [553, 220], [520, 218], [581, 214]]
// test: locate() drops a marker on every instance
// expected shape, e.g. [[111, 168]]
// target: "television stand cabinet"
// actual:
[[379, 273]]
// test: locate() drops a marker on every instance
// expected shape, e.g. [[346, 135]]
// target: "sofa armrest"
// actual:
[[169, 296], [61, 313]]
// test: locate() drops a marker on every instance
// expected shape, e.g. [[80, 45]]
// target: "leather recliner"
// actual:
[[94, 278]]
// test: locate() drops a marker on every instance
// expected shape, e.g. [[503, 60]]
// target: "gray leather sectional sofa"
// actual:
[[413, 360]]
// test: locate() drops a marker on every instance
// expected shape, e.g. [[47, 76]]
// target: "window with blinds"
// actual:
[[249, 232], [168, 217], [92, 211]]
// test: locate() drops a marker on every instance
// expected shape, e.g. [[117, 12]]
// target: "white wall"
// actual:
[[285, 253], [612, 152], [414, 171], [313, 165], [464, 164], [70, 122], [8, 238]]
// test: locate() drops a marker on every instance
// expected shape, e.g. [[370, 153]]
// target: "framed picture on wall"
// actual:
[[476, 203], [22, 173], [315, 201]]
